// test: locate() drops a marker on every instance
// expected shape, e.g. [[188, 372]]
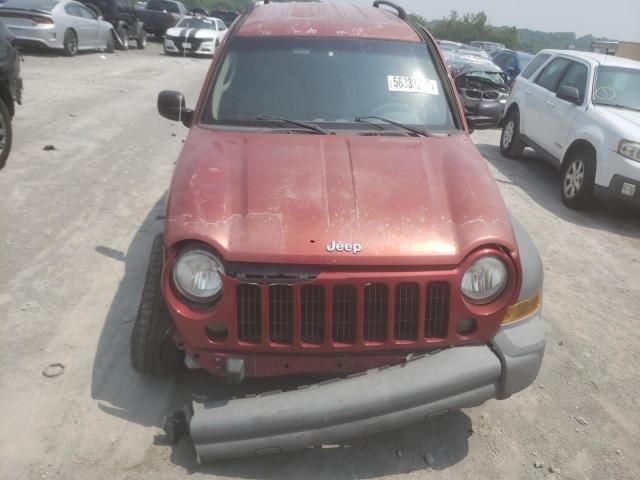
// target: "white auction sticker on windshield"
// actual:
[[399, 83]]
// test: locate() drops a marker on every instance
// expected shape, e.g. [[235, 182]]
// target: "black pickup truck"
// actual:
[[159, 15], [122, 15]]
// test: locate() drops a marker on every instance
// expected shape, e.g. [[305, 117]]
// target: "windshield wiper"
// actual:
[[618, 105], [417, 131], [308, 126]]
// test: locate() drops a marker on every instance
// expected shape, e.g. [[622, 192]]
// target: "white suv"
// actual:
[[581, 111]]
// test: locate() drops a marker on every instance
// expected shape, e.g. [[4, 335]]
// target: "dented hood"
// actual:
[[283, 198]]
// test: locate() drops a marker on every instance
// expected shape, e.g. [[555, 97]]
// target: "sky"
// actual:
[[616, 19]]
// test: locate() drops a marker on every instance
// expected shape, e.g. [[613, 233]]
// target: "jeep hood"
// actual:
[[282, 198]]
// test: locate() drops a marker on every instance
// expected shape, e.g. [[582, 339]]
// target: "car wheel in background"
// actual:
[[70, 43], [124, 38], [111, 43], [141, 40], [578, 175], [152, 349], [511, 144], [5, 133]]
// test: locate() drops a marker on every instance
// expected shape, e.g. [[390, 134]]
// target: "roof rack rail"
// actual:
[[401, 12]]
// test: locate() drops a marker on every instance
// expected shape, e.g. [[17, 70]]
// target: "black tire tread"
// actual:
[[517, 145], [8, 133], [585, 197], [152, 349], [65, 46]]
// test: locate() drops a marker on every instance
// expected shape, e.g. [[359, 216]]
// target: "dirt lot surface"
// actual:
[[76, 226]]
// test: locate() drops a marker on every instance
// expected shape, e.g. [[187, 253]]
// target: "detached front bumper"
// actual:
[[370, 402]]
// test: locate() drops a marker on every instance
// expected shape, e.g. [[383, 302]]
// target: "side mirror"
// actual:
[[172, 105], [570, 94]]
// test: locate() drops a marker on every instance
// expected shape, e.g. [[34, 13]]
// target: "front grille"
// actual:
[[437, 314], [249, 313], [473, 93], [376, 301], [490, 95], [343, 313], [312, 314], [178, 41], [281, 314], [405, 326]]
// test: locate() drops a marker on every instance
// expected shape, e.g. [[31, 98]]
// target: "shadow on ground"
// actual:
[[122, 392], [541, 181]]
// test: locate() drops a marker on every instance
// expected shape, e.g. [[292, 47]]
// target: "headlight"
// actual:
[[485, 280], [196, 275], [628, 149]]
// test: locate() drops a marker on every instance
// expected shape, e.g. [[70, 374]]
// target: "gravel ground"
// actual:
[[76, 225]]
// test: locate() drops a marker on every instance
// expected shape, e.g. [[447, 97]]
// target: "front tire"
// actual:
[[578, 174], [6, 133], [152, 349], [511, 144], [141, 40], [70, 43], [111, 43], [124, 38]]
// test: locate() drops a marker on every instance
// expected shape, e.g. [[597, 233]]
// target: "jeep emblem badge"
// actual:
[[354, 248]]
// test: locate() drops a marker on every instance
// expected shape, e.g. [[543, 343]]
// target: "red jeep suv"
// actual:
[[329, 215]]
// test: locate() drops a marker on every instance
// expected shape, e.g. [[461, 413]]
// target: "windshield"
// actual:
[[226, 17], [43, 5], [617, 86], [495, 78], [196, 23], [160, 6], [525, 58], [330, 81]]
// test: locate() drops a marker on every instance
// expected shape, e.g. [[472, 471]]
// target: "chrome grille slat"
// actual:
[[376, 300], [312, 314], [436, 323], [249, 313], [281, 313], [406, 311], [344, 314]]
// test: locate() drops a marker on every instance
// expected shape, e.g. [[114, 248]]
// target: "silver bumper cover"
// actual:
[[370, 402]]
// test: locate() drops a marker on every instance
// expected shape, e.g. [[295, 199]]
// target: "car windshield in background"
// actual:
[[227, 17], [329, 81], [42, 5], [196, 23], [496, 79], [525, 58], [617, 87], [160, 6]]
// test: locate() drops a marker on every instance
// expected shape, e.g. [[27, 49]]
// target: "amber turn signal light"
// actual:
[[522, 309]]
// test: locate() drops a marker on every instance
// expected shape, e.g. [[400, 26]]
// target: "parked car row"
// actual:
[[72, 26]]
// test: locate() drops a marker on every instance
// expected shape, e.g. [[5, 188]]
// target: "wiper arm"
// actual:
[[417, 131], [308, 126]]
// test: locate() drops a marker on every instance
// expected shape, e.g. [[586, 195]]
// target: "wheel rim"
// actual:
[[507, 135], [574, 178], [73, 44]]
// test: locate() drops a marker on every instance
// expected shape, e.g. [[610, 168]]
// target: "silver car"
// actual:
[[59, 24]]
